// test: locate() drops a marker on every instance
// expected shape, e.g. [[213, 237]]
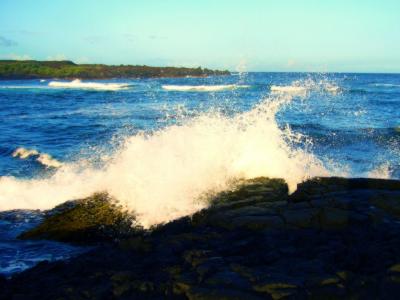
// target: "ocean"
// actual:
[[160, 146]]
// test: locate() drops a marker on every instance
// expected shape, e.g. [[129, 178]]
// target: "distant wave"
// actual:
[[301, 88], [21, 87], [78, 84], [203, 88], [288, 89], [389, 85], [43, 158]]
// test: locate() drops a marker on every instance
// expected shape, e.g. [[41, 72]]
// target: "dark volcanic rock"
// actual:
[[93, 219], [334, 238]]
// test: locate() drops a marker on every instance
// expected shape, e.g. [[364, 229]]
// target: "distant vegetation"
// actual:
[[31, 69]]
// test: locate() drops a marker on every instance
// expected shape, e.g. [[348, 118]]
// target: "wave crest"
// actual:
[[203, 88], [78, 84], [302, 87], [43, 158], [166, 174]]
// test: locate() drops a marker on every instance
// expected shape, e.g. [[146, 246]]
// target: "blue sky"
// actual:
[[252, 35]]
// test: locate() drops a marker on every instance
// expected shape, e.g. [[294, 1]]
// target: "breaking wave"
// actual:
[[166, 174], [203, 88], [388, 85], [43, 158], [302, 87], [382, 172], [289, 89], [78, 84]]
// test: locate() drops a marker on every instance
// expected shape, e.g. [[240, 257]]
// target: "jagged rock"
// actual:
[[388, 202], [221, 294], [92, 219], [395, 268], [276, 289], [333, 218], [301, 218], [255, 190], [334, 238]]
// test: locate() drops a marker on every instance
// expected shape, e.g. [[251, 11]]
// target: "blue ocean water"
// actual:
[[358, 126], [351, 121]]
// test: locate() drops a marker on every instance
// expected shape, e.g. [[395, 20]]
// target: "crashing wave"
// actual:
[[168, 174], [203, 88], [382, 171], [78, 84], [43, 158]]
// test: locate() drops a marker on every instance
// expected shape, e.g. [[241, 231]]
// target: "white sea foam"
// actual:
[[382, 171], [388, 85], [21, 87], [165, 175], [24, 153], [43, 158], [78, 84], [203, 88], [302, 87], [289, 89]]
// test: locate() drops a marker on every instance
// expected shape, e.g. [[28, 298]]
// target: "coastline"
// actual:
[[334, 237], [31, 69]]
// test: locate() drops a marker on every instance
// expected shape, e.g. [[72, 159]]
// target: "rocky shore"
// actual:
[[334, 238]]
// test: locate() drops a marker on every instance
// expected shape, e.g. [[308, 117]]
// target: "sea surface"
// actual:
[[160, 145]]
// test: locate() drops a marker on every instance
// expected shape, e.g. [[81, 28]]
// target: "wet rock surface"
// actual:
[[90, 220], [333, 238]]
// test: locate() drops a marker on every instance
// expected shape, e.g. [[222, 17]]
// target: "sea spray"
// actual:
[[382, 171], [163, 175], [302, 87]]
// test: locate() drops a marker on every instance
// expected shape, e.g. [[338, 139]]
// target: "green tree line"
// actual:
[[31, 69]]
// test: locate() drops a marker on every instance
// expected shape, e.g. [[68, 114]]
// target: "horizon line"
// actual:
[[211, 68]]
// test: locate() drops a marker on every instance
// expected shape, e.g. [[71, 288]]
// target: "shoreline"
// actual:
[[333, 237], [31, 69]]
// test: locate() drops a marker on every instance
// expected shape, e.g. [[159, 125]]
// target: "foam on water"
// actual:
[[167, 174], [388, 85], [302, 87], [78, 84], [43, 158], [382, 171], [203, 88], [289, 89]]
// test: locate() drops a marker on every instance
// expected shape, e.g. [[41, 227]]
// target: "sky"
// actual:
[[242, 35]]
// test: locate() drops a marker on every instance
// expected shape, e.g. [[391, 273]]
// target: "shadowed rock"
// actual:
[[93, 219], [334, 238]]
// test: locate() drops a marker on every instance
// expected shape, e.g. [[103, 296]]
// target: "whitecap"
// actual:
[[203, 88], [167, 174], [78, 84], [43, 158]]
